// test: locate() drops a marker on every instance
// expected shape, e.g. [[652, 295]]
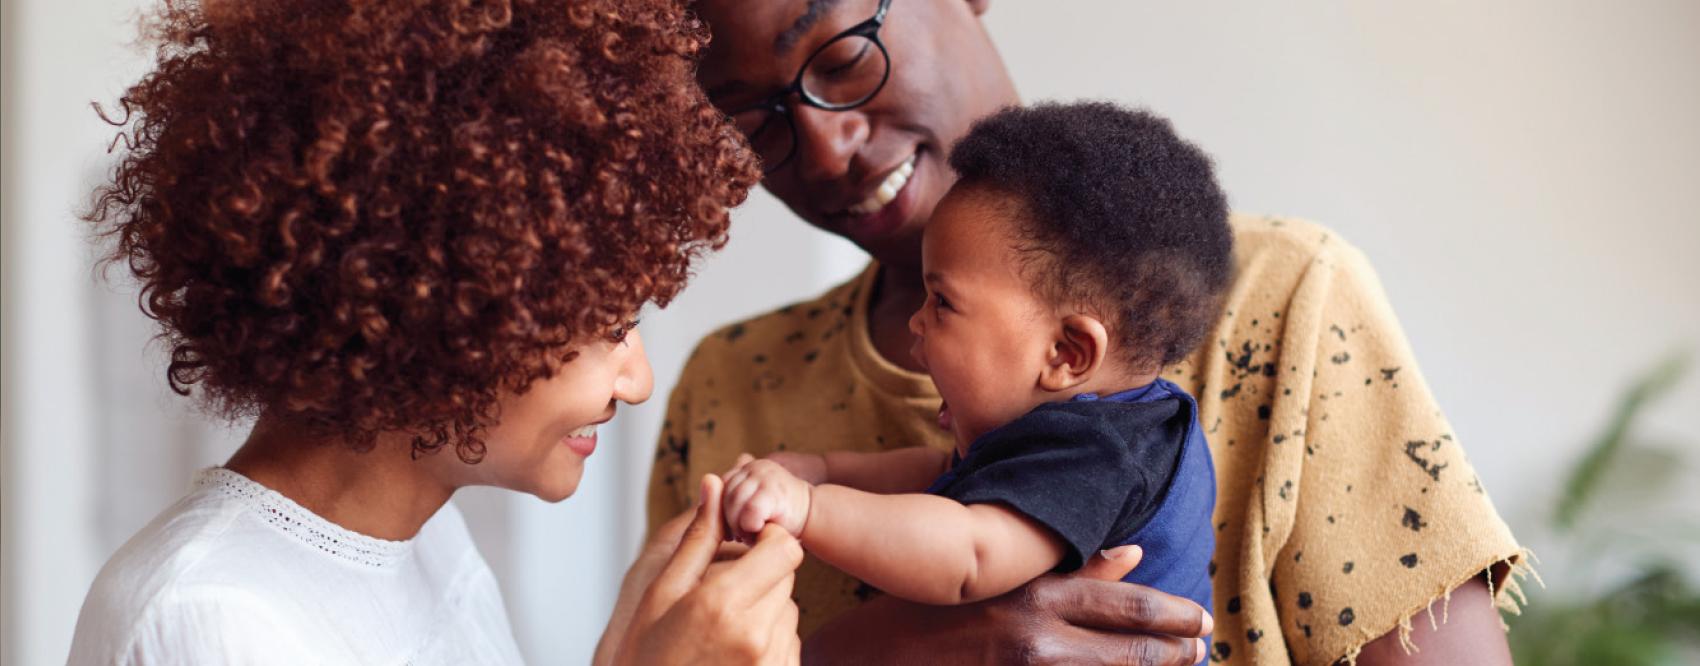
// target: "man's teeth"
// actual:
[[587, 431], [887, 190]]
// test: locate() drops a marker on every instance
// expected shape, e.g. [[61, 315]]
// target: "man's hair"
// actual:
[[1121, 217], [370, 217]]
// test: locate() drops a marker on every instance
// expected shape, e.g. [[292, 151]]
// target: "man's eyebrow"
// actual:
[[811, 15], [723, 89]]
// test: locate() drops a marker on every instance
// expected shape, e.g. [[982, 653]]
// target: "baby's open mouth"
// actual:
[[945, 421]]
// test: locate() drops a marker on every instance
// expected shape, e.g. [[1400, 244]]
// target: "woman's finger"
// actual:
[[776, 614], [696, 550], [771, 562], [783, 644]]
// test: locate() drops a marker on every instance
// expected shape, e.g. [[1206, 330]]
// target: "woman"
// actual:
[[408, 238]]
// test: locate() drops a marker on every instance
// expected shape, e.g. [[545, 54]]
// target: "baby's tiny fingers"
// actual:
[[750, 523]]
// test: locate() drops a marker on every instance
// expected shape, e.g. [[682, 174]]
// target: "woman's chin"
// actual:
[[555, 490], [558, 481]]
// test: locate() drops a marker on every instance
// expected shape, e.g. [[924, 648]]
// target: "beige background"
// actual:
[[1523, 174]]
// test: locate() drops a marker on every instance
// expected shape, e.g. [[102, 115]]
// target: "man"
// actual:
[[1345, 506]]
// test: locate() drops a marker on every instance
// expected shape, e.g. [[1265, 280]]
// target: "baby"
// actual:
[[1084, 248]]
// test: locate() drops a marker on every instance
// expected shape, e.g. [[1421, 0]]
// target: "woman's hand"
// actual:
[[1088, 617], [736, 611], [663, 542]]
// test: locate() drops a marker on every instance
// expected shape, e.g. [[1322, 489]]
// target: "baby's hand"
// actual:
[[759, 492]]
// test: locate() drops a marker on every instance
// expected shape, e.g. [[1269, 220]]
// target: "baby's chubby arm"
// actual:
[[923, 548]]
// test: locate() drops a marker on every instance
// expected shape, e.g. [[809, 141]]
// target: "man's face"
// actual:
[[945, 73]]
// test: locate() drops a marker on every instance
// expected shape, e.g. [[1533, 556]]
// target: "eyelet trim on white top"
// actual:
[[295, 520]]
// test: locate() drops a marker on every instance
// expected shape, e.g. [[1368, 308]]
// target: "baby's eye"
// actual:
[[943, 303]]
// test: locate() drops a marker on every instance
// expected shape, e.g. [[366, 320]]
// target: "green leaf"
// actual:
[[1585, 476]]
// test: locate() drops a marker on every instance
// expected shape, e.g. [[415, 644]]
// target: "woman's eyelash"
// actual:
[[620, 332]]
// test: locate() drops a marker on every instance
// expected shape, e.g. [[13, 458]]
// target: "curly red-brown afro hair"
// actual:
[[377, 215]]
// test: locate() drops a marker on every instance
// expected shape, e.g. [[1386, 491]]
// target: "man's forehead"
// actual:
[[813, 10], [781, 23]]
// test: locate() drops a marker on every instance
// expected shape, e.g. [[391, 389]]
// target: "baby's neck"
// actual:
[[1112, 379]]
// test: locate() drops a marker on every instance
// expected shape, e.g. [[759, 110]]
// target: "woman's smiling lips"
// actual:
[[582, 441]]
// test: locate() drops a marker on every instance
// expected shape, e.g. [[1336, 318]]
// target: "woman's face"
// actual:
[[542, 436]]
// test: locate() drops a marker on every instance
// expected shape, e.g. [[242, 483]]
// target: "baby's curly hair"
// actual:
[[1121, 216], [376, 215]]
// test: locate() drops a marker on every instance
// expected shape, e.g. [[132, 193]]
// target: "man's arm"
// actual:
[[1471, 634], [1087, 617]]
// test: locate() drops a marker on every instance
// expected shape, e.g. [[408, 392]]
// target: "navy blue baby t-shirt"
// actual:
[[1126, 468]]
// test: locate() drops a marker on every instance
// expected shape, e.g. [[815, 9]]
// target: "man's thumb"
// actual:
[[1112, 564]]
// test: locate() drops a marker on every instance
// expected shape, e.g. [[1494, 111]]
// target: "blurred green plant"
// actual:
[[1650, 618]]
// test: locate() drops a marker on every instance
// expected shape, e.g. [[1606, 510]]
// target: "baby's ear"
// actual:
[[1077, 352]]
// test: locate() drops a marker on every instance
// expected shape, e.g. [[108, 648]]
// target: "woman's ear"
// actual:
[[1077, 352]]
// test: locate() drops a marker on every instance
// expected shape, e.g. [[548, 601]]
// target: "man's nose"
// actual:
[[827, 140]]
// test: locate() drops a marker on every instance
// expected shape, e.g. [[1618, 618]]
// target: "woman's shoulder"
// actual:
[[160, 566]]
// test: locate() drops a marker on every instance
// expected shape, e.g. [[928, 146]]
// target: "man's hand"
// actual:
[[759, 492], [1088, 617]]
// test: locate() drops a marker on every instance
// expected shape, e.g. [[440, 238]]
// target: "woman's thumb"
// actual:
[[696, 548]]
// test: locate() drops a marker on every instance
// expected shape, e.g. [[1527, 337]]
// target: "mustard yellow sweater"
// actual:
[[1345, 501]]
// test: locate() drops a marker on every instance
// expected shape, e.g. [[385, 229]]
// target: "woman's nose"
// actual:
[[827, 140], [636, 380]]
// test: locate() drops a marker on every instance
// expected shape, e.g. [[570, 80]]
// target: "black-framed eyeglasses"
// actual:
[[844, 73]]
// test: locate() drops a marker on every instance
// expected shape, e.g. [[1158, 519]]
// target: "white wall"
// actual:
[[1525, 175], [1522, 173]]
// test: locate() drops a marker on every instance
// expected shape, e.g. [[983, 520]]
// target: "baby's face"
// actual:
[[983, 334]]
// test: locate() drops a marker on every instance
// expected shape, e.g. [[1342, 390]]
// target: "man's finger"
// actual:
[[1125, 607], [1112, 564], [696, 549], [1089, 647]]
